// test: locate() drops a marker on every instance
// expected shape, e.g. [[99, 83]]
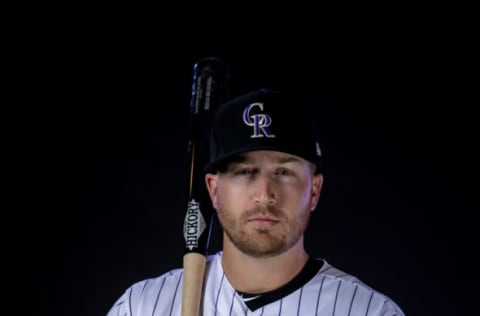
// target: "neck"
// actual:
[[257, 275]]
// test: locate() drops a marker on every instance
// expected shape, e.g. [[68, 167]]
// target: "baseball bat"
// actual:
[[209, 90]]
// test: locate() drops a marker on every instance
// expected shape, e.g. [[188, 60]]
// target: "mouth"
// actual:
[[263, 218], [263, 222]]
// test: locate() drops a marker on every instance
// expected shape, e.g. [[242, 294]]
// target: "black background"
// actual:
[[100, 148]]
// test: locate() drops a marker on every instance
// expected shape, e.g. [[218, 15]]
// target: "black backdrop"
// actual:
[[103, 162]]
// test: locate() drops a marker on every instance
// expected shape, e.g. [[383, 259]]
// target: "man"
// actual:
[[264, 180]]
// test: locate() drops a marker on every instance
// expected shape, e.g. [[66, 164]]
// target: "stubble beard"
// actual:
[[264, 242]]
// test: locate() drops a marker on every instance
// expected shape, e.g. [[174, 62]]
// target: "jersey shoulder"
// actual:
[[149, 295], [144, 295], [377, 302]]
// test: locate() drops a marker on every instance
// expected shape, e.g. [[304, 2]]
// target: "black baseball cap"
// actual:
[[263, 120]]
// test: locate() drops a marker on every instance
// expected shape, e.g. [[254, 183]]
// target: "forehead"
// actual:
[[266, 156]]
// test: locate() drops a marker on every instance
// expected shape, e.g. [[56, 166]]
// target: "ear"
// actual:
[[317, 183], [211, 182]]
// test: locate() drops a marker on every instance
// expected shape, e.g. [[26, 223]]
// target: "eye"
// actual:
[[284, 172], [245, 171]]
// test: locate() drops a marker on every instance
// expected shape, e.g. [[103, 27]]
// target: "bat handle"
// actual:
[[194, 270]]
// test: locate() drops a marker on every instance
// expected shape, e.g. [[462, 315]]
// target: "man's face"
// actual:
[[264, 200]]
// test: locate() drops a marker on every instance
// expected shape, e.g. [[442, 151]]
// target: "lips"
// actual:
[[263, 219], [262, 222]]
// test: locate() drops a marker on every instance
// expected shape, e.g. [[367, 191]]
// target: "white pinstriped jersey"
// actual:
[[326, 291]]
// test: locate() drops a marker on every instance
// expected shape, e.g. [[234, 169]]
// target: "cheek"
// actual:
[[228, 196], [302, 197]]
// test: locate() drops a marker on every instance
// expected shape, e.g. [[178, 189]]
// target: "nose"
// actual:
[[264, 191]]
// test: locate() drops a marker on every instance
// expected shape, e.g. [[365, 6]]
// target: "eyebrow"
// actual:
[[288, 159]]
